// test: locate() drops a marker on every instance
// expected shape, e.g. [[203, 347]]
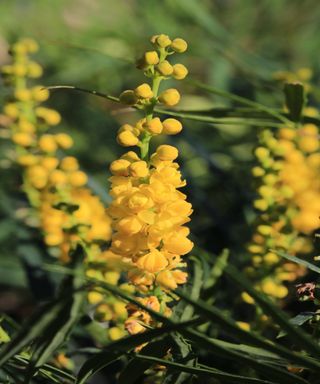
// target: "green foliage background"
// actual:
[[234, 45]]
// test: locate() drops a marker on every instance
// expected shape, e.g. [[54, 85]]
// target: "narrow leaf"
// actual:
[[295, 259], [215, 315], [115, 350], [295, 100], [207, 372], [298, 335]]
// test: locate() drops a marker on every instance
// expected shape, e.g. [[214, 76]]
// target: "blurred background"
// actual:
[[234, 45]]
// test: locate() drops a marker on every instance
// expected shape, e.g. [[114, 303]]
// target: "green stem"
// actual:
[[149, 110]]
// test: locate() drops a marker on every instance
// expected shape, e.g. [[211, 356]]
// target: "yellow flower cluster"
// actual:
[[149, 213], [289, 195], [148, 210], [67, 211], [49, 180]]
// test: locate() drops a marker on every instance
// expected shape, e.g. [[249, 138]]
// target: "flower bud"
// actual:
[[165, 68], [69, 163], [170, 97], [23, 94], [58, 177], [22, 138], [143, 91], [179, 45], [179, 71], [78, 178], [171, 126], [64, 141], [151, 58], [161, 41], [26, 126], [49, 163], [120, 167], [264, 230], [127, 139], [130, 156], [47, 143], [128, 97], [34, 70], [19, 70], [167, 152], [153, 126], [11, 110], [116, 333], [27, 160], [40, 94]]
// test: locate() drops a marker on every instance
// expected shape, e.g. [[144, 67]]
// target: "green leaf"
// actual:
[[4, 337], [115, 350], [181, 349], [298, 335], [295, 100], [295, 259], [241, 100], [218, 268], [34, 327], [299, 320], [266, 370], [136, 367], [45, 327], [204, 371], [257, 353], [57, 330], [215, 315], [203, 341], [46, 368]]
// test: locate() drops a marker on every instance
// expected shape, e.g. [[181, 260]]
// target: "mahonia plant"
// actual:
[[148, 211], [65, 208], [288, 186]]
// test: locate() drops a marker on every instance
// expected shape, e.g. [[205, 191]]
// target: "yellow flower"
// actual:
[[152, 262]]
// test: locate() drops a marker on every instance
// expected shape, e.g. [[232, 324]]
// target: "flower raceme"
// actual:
[[148, 210], [289, 193], [49, 180], [67, 211]]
